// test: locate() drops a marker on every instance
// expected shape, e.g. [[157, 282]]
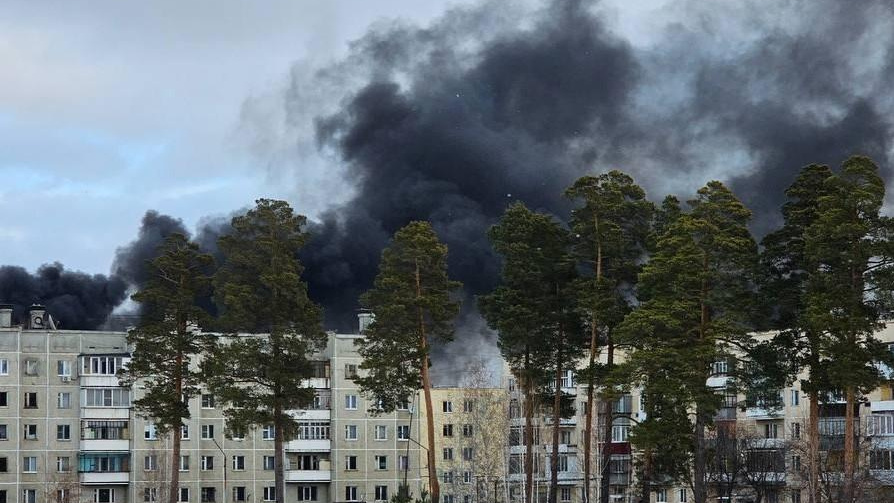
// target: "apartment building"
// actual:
[[68, 432]]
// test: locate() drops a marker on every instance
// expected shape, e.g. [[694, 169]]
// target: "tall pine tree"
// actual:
[[167, 340], [259, 290], [412, 300]]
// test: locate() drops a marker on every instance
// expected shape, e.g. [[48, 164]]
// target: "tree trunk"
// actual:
[[849, 448], [813, 449], [699, 459], [557, 424], [278, 474], [426, 388], [604, 481], [646, 481], [594, 345], [529, 431], [176, 433]]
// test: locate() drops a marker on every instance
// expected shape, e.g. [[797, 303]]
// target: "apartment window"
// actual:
[[796, 496], [29, 464], [184, 431], [150, 463], [403, 432], [106, 397], [796, 397], [63, 432], [62, 495], [351, 402], [381, 432], [29, 496], [184, 494], [448, 430], [381, 493], [563, 463], [4, 367], [102, 365], [467, 477], [207, 431], [565, 437], [207, 463], [796, 430], [683, 496], [308, 462], [568, 379], [4, 400], [467, 430], [207, 401], [720, 367], [30, 400], [270, 493], [307, 493], [268, 432], [4, 465], [565, 494], [350, 462], [184, 463], [3, 433], [448, 498], [771, 430], [403, 462], [313, 430], [381, 462], [350, 432], [269, 463], [468, 405], [150, 494], [239, 493], [209, 495], [63, 368], [447, 406], [63, 400], [31, 367], [403, 405], [447, 477], [30, 432], [467, 454], [350, 371], [237, 435], [239, 462], [150, 432], [63, 464], [448, 453], [350, 493], [620, 433], [661, 496]]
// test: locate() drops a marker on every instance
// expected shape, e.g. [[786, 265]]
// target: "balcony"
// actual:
[[308, 475], [311, 414], [122, 413], [105, 478], [759, 413], [105, 445], [882, 406], [99, 381], [302, 445]]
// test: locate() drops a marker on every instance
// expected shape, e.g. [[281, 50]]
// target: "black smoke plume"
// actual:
[[130, 260]]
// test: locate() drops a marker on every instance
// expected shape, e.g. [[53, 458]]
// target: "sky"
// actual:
[[113, 108]]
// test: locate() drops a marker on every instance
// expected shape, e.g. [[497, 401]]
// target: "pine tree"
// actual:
[[259, 290], [413, 307], [851, 256], [531, 310], [167, 340], [697, 290], [611, 230]]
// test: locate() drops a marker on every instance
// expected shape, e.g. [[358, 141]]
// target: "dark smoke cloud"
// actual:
[[76, 301], [130, 260]]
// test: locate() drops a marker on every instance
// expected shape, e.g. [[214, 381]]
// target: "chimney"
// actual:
[[366, 318], [5, 315], [37, 317]]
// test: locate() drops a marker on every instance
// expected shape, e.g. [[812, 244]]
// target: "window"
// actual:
[[208, 495], [4, 464], [237, 435], [350, 462], [448, 498], [403, 405], [150, 432], [239, 462], [568, 379], [63, 464], [150, 463], [381, 432], [350, 493], [661, 496], [30, 432], [63, 400], [3, 433], [269, 463], [207, 401], [565, 494], [467, 430], [4, 367], [62, 495], [683, 496], [207, 431], [620, 433], [184, 494], [796, 496], [313, 430], [381, 493], [467, 477], [4, 400], [563, 462], [796, 397], [403, 462], [184, 431], [565, 437], [448, 430], [207, 463], [184, 463], [270, 493], [63, 368], [150, 494], [239, 493], [350, 371], [29, 496], [106, 397], [307, 493], [268, 432], [351, 402], [102, 365], [30, 367], [720, 367], [468, 405], [796, 430], [448, 453], [447, 477], [63, 432], [307, 462], [351, 432], [403, 432], [381, 462], [447, 406], [30, 400], [467, 454], [771, 430], [29, 464]]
